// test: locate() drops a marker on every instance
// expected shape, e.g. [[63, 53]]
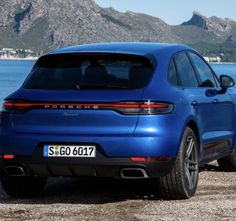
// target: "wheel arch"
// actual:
[[193, 125]]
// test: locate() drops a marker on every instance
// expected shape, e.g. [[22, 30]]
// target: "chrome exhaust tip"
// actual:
[[133, 173], [14, 171]]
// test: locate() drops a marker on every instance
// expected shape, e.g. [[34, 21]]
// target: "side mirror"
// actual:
[[226, 82]]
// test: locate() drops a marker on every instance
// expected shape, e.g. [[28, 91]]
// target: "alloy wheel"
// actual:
[[191, 162]]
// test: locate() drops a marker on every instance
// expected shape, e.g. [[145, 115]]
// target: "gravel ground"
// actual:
[[105, 199]]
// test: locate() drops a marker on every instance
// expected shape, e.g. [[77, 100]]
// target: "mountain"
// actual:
[[217, 25], [47, 24], [42, 25], [220, 28], [211, 36]]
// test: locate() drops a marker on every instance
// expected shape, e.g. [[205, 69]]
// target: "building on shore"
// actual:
[[10, 53], [213, 59]]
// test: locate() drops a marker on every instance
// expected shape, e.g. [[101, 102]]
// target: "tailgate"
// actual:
[[67, 113]]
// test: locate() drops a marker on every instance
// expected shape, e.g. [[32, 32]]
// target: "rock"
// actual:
[[217, 25]]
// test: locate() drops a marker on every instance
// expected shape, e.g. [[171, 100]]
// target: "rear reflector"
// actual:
[[8, 156], [149, 159], [125, 107]]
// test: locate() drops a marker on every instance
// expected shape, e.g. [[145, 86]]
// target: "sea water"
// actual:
[[12, 75]]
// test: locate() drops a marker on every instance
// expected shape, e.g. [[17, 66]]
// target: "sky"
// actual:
[[175, 12]]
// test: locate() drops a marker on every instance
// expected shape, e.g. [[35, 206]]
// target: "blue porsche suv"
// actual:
[[121, 110]]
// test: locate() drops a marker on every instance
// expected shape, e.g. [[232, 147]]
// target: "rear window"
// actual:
[[93, 71]]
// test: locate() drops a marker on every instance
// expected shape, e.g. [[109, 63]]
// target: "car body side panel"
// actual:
[[215, 121]]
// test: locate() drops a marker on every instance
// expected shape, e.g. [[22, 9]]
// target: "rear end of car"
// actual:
[[84, 114]]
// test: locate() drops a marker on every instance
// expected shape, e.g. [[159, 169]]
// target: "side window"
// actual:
[[173, 79], [185, 70], [205, 74]]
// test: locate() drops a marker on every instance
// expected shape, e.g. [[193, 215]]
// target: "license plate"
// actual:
[[69, 151]]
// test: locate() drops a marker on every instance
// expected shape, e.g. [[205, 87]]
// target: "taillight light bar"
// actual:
[[126, 107]]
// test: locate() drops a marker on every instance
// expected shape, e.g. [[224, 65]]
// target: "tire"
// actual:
[[181, 182], [228, 163], [23, 186]]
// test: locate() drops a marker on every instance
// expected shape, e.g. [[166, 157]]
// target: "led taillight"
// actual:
[[125, 107], [147, 108], [16, 106]]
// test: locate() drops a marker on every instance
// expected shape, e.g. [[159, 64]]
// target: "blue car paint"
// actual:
[[121, 135]]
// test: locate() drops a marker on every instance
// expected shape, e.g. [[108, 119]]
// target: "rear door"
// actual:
[[213, 111], [221, 114]]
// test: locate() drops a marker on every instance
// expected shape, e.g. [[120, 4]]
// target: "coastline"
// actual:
[[19, 59], [222, 62]]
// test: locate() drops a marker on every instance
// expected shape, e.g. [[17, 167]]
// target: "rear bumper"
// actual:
[[123, 146], [113, 154], [99, 167]]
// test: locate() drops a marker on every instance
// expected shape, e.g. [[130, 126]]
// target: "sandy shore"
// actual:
[[93, 199]]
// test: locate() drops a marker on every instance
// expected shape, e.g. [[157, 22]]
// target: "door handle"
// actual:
[[194, 103], [215, 101]]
